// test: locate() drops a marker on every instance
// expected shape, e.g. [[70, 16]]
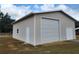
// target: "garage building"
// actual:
[[44, 27]]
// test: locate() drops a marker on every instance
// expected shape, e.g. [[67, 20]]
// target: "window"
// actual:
[[17, 30]]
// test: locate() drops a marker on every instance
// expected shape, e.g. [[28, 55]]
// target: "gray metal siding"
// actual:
[[22, 26]]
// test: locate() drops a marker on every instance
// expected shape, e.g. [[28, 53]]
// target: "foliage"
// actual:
[[77, 24], [5, 23]]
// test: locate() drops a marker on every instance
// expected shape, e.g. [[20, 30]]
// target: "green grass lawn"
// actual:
[[9, 45]]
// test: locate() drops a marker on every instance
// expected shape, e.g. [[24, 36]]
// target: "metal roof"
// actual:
[[31, 14]]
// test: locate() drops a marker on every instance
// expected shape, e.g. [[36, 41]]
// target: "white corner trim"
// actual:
[[34, 30]]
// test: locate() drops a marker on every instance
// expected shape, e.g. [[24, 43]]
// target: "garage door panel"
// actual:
[[49, 30]]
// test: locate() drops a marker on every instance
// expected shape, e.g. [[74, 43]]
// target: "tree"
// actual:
[[77, 24], [5, 23], [1, 16]]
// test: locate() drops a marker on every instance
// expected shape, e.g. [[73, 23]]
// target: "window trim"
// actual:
[[17, 30]]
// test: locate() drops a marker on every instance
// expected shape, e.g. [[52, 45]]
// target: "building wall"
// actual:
[[25, 27], [34, 25], [64, 23]]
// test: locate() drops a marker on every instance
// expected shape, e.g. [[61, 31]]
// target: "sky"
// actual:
[[16, 11]]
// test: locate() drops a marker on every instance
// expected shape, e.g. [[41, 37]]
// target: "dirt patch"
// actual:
[[9, 45]]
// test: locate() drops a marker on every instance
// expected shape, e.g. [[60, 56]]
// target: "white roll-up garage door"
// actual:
[[49, 30]]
